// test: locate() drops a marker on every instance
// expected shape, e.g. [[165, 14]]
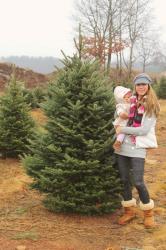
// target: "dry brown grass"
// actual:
[[38, 116]]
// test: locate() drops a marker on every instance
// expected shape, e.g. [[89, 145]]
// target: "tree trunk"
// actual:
[[120, 38], [110, 37], [130, 62]]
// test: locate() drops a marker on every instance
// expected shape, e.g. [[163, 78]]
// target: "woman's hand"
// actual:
[[118, 129]]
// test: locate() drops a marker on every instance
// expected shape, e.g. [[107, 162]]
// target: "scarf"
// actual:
[[136, 112]]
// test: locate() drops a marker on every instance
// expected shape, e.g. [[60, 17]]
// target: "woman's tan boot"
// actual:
[[148, 214], [129, 211]]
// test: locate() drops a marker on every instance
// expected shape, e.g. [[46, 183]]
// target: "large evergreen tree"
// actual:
[[16, 125], [72, 162]]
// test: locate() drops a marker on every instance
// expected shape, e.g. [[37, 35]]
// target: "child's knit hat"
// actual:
[[120, 92]]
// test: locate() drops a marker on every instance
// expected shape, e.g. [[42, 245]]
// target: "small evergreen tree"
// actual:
[[155, 85], [72, 162], [162, 88], [34, 97], [16, 126]]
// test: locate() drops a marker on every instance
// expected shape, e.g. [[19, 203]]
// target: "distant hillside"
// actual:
[[29, 77], [153, 67], [44, 65]]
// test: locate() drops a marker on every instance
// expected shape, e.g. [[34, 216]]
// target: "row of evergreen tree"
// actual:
[[71, 160], [161, 88]]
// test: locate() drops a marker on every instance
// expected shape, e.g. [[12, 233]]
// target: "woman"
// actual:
[[140, 134]]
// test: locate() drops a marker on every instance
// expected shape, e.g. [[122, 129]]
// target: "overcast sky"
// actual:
[[44, 27]]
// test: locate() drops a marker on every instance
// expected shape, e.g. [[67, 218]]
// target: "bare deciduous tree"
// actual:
[[147, 48], [112, 22], [137, 20], [98, 21]]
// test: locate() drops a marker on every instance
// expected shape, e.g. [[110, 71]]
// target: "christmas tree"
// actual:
[[16, 125], [72, 161]]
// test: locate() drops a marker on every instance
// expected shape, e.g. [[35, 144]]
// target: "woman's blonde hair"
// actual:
[[152, 105]]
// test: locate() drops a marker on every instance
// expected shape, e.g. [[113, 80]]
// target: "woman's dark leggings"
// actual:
[[133, 168]]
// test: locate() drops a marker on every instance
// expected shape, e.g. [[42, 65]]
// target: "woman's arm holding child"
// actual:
[[142, 130]]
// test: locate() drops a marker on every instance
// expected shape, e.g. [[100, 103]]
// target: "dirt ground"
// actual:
[[26, 225]]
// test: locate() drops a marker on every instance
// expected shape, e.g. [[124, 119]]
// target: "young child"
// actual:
[[122, 97]]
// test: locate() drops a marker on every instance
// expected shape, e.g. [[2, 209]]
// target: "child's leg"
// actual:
[[120, 137]]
